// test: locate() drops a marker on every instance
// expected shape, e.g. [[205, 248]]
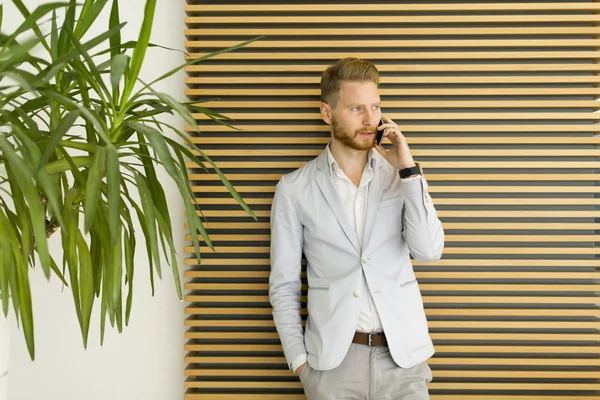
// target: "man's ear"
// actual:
[[326, 113]]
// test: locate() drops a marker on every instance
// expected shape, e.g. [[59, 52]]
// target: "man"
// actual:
[[357, 212]]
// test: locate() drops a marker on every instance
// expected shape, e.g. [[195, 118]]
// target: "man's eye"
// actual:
[[355, 108], [375, 107]]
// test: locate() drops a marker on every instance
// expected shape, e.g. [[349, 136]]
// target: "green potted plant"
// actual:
[[81, 139]]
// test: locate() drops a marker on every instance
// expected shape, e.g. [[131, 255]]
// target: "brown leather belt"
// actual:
[[370, 339]]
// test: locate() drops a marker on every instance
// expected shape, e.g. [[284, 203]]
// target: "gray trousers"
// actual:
[[367, 373]]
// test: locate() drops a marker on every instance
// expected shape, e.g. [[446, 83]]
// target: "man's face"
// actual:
[[356, 115]]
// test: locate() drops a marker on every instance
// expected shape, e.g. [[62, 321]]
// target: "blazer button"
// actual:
[[364, 260], [356, 293]]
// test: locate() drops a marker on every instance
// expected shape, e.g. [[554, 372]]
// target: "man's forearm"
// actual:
[[285, 299], [423, 230]]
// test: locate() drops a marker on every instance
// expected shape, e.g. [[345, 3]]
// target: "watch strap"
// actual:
[[406, 172]]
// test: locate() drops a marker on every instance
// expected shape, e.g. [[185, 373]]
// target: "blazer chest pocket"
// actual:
[[397, 201], [389, 222]]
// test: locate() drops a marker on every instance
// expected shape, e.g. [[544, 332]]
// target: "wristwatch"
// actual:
[[406, 172]]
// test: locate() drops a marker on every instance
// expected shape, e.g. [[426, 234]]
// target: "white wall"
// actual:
[[146, 360]]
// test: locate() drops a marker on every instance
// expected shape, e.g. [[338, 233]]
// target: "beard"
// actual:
[[353, 140]]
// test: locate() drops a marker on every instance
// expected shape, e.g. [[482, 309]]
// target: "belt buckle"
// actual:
[[370, 338]]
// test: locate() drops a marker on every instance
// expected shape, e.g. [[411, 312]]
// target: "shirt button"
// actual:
[[356, 293], [364, 260]]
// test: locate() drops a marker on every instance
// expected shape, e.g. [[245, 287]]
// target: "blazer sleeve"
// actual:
[[284, 281], [422, 228]]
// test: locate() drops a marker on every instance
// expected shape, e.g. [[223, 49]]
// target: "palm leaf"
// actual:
[[131, 45], [86, 288], [198, 59], [119, 63], [64, 44], [32, 18], [113, 176], [89, 13], [139, 52], [5, 261], [115, 41], [150, 219], [63, 127], [23, 294], [24, 180], [93, 186]]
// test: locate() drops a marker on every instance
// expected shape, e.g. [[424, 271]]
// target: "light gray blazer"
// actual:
[[307, 217]]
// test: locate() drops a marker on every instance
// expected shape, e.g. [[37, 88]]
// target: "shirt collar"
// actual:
[[333, 165]]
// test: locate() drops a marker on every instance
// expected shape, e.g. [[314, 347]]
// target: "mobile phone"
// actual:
[[380, 133]]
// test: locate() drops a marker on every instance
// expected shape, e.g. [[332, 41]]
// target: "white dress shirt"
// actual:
[[354, 201]]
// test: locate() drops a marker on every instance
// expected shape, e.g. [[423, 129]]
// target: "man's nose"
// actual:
[[368, 119]]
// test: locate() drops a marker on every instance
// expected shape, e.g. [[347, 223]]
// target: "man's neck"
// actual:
[[349, 160]]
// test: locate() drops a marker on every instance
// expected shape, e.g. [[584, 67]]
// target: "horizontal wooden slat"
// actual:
[[232, 384], [413, 128], [432, 324], [439, 263], [434, 335], [514, 386], [447, 238], [514, 361], [401, 55], [546, 140], [433, 7], [220, 274], [392, 19], [492, 397], [314, 105], [444, 373], [243, 396], [390, 43], [490, 227], [590, 300], [443, 275], [436, 373], [439, 348], [448, 214], [454, 201], [262, 396], [435, 324], [432, 386], [210, 396], [447, 250], [418, 153], [207, 311], [328, 31], [430, 177], [432, 116], [431, 189], [506, 189], [518, 91], [424, 275], [529, 361]]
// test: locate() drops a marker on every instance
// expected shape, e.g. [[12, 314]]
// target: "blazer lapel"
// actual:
[[326, 184], [375, 192]]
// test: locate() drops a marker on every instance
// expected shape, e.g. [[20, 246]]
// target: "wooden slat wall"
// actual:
[[498, 101]]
